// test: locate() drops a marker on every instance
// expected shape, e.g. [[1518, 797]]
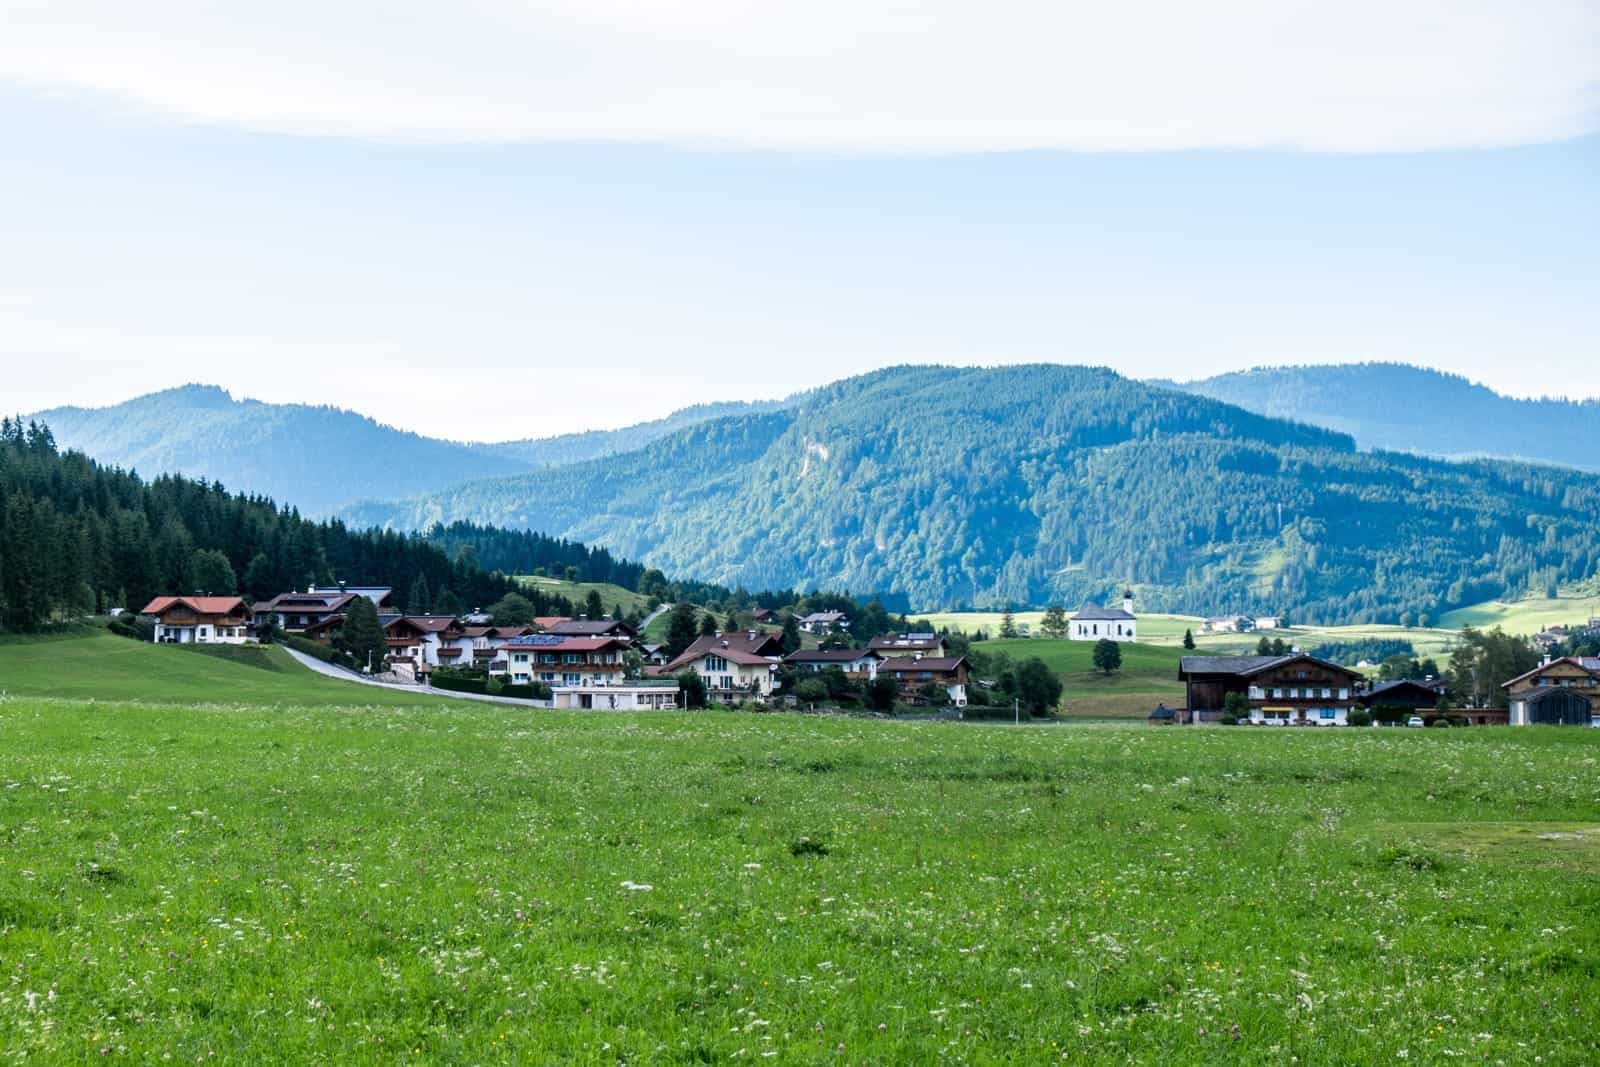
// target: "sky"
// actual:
[[494, 220]]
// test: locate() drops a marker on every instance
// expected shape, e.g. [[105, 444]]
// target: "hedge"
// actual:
[[311, 648], [531, 691]]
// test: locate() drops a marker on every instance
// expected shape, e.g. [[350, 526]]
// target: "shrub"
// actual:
[[1359, 717], [456, 684], [1229, 720], [303, 644], [811, 690]]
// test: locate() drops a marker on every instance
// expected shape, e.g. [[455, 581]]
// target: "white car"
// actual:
[[1415, 720]]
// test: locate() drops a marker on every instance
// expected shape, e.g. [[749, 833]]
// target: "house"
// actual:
[[917, 644], [199, 620], [654, 654], [1552, 637], [733, 666], [477, 645], [1562, 691], [1225, 624], [1095, 623], [585, 672], [592, 628], [858, 664], [912, 673], [415, 640], [1296, 689], [1269, 622], [764, 616], [822, 622], [1410, 695], [301, 611]]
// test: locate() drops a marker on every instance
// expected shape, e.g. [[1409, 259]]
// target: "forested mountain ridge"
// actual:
[[1413, 409], [319, 457], [283, 450], [1024, 485]]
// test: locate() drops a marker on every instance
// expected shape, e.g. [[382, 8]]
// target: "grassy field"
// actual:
[[253, 884], [1526, 616], [102, 666], [1149, 675]]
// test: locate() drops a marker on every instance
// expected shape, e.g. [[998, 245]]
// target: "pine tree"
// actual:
[[418, 600], [791, 634], [681, 630], [1054, 623], [1188, 640], [1008, 624], [361, 637], [708, 624], [592, 605]]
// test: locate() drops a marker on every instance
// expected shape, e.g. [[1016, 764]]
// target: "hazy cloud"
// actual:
[[912, 75]]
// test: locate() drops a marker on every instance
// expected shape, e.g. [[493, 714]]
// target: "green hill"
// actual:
[[1025, 485], [1414, 409], [96, 665]]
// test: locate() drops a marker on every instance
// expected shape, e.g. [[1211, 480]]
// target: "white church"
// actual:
[[1095, 623]]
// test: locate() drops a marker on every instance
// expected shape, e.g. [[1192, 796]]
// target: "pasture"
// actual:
[[258, 880]]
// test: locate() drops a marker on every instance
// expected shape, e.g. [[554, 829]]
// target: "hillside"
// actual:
[[318, 458], [322, 458], [596, 444], [1412, 409], [954, 487]]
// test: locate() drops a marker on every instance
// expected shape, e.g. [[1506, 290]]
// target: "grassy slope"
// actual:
[[486, 886], [1149, 675], [1526, 616], [610, 595], [103, 666]]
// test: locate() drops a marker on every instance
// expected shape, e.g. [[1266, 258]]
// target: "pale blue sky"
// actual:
[[508, 286]]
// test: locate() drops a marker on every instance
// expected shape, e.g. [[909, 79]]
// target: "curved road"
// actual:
[[330, 671]]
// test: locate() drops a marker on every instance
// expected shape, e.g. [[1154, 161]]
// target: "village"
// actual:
[[604, 664]]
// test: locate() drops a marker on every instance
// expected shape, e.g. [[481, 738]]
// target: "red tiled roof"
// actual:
[[200, 605], [547, 621], [741, 647]]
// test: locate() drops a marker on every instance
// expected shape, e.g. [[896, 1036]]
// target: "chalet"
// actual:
[[199, 620], [1296, 689], [478, 646], [1558, 692], [912, 673], [1226, 624], [734, 666], [592, 628], [918, 644], [415, 640], [764, 616], [316, 608], [1410, 695], [856, 663], [1095, 623], [585, 672], [654, 654], [822, 622]]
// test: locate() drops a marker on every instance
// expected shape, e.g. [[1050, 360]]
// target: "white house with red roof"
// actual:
[[199, 620], [733, 666], [583, 672]]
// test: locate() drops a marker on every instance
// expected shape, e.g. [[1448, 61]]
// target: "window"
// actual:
[[1344, 694], [716, 663], [1257, 693], [1328, 713], [1277, 694], [570, 679], [1327, 694]]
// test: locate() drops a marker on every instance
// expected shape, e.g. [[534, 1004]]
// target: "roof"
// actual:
[[200, 605], [1382, 689], [544, 622], [742, 647], [825, 616], [937, 664], [557, 643], [1096, 613], [314, 601], [1245, 666], [432, 624], [589, 627], [911, 641], [1584, 663], [830, 655]]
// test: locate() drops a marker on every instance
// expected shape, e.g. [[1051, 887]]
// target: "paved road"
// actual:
[[653, 616], [330, 671]]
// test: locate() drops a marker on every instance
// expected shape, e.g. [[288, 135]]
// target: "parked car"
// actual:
[[1415, 720]]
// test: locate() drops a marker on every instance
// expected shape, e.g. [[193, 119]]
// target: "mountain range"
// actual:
[[950, 486]]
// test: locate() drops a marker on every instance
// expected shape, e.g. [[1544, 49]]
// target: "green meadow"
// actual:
[[221, 864]]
